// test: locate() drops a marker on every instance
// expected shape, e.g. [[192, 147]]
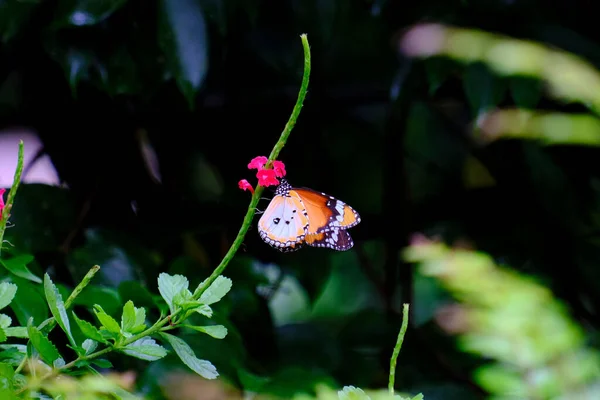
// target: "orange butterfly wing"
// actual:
[[336, 239], [326, 213], [284, 223]]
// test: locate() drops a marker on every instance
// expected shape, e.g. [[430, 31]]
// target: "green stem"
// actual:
[[397, 348], [11, 195], [259, 189], [50, 323]]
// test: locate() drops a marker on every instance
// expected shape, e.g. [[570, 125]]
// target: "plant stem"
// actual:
[[50, 323], [11, 195], [397, 348], [259, 189]]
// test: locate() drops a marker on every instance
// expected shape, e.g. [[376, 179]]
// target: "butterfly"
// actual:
[[300, 216]]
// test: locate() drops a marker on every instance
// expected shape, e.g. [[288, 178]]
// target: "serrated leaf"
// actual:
[[42, 344], [7, 293], [5, 321], [204, 310], [145, 349], [203, 368], [16, 331], [183, 40], [171, 285], [18, 266], [133, 318], [89, 346], [216, 291], [106, 320], [216, 331], [89, 330], [57, 308], [352, 393]]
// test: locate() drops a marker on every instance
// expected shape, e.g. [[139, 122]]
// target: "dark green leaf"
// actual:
[[526, 92], [134, 291], [85, 12], [47, 350], [89, 330], [102, 363], [186, 354], [483, 89], [216, 331], [216, 291], [184, 42], [18, 266], [106, 320], [57, 307], [108, 298], [145, 349], [170, 286], [3, 336], [7, 293], [28, 303]]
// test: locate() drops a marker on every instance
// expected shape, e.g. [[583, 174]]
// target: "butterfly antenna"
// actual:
[[259, 212]]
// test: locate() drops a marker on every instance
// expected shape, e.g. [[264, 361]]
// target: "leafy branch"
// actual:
[[131, 336]]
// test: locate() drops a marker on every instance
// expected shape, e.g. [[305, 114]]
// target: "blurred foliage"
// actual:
[[150, 111]]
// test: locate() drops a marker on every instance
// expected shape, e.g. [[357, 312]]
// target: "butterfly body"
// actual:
[[300, 216]]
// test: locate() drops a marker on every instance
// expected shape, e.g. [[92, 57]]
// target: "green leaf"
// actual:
[[526, 92], [85, 12], [7, 293], [102, 363], [204, 310], [89, 330], [42, 344], [3, 335], [352, 393], [186, 354], [28, 303], [216, 291], [106, 320], [6, 374], [18, 266], [107, 297], [183, 39], [134, 291], [57, 307], [89, 346], [171, 286], [16, 331], [216, 331], [145, 349], [5, 321], [133, 318], [483, 89]]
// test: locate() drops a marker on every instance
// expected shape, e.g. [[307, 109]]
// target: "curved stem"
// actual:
[[397, 348], [259, 189]]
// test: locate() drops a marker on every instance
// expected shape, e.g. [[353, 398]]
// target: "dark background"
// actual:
[[208, 85]]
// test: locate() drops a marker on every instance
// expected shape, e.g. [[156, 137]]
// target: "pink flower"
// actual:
[[245, 185], [1, 202], [258, 162], [267, 177], [279, 168]]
